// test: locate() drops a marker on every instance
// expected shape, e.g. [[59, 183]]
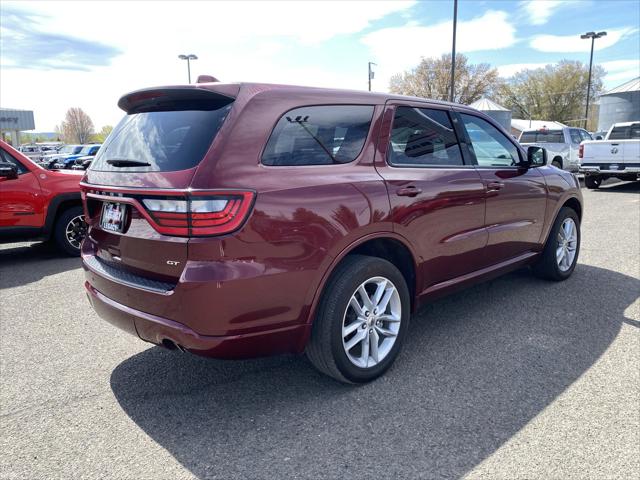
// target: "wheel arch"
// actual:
[[57, 205], [387, 245], [572, 202]]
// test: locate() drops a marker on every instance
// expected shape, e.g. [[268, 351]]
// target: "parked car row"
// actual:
[[76, 157]]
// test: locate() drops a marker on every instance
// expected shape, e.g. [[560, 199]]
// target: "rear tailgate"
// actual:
[[602, 153], [136, 190]]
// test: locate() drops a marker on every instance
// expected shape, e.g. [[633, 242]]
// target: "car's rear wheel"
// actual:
[[362, 320], [70, 230], [560, 253], [592, 181]]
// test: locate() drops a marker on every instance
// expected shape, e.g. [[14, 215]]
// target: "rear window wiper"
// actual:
[[123, 162]]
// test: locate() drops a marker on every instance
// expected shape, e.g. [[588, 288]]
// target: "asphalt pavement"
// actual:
[[516, 378]]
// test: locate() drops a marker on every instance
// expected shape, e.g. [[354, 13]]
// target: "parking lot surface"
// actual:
[[515, 378]]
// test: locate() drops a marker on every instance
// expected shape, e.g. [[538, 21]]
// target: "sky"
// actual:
[[56, 55]]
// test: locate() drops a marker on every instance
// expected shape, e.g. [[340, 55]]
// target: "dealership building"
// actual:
[[12, 122]]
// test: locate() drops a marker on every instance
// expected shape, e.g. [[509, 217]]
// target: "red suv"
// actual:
[[237, 220], [39, 204]]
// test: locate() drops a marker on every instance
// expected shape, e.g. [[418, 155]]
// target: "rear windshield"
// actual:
[[626, 132], [546, 136], [161, 141]]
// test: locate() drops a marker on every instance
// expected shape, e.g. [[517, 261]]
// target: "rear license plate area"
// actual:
[[113, 217]]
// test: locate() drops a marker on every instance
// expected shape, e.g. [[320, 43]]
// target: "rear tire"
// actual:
[[69, 231], [592, 181], [351, 340], [560, 254]]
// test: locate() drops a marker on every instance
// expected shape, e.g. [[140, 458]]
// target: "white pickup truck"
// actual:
[[618, 155]]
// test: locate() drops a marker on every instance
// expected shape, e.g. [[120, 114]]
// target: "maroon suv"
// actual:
[[237, 220]]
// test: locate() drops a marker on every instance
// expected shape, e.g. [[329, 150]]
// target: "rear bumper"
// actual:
[[605, 170], [156, 330]]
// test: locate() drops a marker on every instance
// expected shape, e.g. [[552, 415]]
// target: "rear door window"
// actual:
[[318, 135], [423, 137], [161, 141]]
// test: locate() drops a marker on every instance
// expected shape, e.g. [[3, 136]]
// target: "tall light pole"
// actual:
[[188, 58], [453, 50], [371, 73], [592, 36]]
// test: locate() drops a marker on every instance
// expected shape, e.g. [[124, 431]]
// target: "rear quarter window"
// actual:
[[318, 135]]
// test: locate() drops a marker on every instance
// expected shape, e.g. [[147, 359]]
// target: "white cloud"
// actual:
[[575, 44], [619, 71], [399, 48], [235, 41], [538, 12], [513, 68]]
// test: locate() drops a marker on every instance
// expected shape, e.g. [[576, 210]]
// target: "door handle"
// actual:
[[408, 191], [494, 186]]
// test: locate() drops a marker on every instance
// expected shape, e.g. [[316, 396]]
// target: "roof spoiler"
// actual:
[[173, 98]]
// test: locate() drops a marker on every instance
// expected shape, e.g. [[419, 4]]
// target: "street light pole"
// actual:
[[592, 36], [188, 58], [371, 73], [453, 50]]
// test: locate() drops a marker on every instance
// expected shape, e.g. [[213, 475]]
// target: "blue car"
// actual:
[[68, 161]]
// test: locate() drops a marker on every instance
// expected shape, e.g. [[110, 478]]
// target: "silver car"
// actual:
[[562, 144]]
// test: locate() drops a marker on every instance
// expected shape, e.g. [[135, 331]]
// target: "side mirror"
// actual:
[[598, 137], [8, 171], [536, 156]]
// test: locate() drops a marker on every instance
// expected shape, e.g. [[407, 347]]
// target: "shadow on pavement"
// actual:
[[26, 263], [620, 187], [477, 367]]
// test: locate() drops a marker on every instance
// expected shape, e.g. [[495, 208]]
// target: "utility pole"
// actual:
[[453, 51], [371, 73], [188, 58], [592, 36]]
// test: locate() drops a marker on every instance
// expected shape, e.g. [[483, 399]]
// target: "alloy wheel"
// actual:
[[567, 244], [371, 322]]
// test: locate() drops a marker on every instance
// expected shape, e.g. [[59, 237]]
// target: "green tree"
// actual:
[[102, 135], [432, 79], [554, 92]]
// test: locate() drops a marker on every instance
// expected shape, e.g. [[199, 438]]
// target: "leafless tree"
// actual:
[[432, 77], [77, 126]]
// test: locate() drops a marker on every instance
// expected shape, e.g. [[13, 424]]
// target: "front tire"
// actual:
[[362, 320], [557, 163], [70, 230], [592, 181], [560, 254]]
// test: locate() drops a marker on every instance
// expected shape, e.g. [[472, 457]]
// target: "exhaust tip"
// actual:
[[171, 345]]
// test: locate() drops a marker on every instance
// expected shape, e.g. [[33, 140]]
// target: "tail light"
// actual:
[[199, 214], [581, 151], [180, 213]]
